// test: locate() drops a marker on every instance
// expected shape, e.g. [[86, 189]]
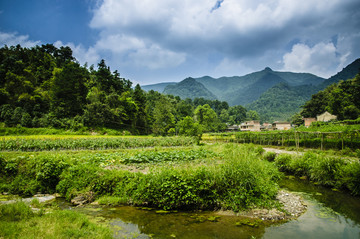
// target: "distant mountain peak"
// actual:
[[189, 88], [268, 69]]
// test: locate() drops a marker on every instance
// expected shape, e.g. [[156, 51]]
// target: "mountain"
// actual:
[[189, 88], [241, 90], [157, 87], [274, 95], [348, 72], [280, 102]]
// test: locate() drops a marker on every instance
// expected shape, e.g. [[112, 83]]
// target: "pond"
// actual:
[[330, 214]]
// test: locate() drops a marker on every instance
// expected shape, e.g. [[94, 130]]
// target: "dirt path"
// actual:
[[281, 151]]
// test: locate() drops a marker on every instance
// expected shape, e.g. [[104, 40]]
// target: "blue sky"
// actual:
[[150, 41]]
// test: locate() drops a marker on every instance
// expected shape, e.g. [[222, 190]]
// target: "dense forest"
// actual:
[[45, 86], [341, 99]]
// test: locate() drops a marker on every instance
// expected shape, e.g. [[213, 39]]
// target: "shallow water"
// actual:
[[330, 215]]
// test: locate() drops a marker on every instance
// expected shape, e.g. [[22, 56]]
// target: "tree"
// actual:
[[68, 91], [140, 123], [188, 127], [252, 115], [207, 118], [237, 114], [163, 116], [297, 119]]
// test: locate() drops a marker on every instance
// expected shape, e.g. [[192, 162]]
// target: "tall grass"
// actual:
[[17, 220], [229, 176], [241, 180], [327, 170]]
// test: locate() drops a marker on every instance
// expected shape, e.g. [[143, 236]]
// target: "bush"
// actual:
[[283, 162], [270, 156]]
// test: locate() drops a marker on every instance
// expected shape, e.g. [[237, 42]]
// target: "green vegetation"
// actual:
[[241, 90], [17, 220], [45, 87], [89, 142], [331, 171], [189, 88], [320, 135], [220, 176], [341, 99], [281, 101]]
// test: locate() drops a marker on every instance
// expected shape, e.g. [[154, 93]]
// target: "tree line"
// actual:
[[341, 99], [45, 86]]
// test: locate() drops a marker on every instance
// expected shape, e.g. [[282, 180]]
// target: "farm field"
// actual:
[[164, 173]]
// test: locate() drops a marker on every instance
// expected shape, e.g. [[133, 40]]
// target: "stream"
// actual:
[[330, 214]]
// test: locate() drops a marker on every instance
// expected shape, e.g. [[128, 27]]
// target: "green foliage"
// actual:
[[189, 88], [241, 180], [174, 155], [207, 118], [269, 156], [327, 170], [89, 142], [18, 221], [341, 99], [15, 212], [281, 101], [188, 127]]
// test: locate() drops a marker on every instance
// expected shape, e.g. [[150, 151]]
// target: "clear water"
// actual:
[[330, 215]]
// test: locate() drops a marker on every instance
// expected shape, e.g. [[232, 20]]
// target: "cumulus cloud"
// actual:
[[82, 54], [11, 39], [319, 59], [153, 33], [169, 36]]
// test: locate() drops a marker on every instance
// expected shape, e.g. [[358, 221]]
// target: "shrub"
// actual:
[[283, 162], [270, 156]]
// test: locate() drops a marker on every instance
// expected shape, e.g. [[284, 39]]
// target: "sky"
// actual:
[[152, 41]]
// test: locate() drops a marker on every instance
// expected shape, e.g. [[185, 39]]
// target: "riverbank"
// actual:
[[292, 207]]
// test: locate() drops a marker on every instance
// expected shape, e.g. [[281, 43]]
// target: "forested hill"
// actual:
[[240, 90], [281, 103], [159, 87], [341, 99], [245, 89], [189, 88], [44, 86], [348, 72]]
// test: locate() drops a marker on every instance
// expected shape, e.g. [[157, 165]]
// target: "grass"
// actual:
[[17, 220], [328, 170], [218, 176]]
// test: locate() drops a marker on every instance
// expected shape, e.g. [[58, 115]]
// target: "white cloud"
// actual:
[[320, 59], [83, 55], [12, 39], [154, 57], [231, 67]]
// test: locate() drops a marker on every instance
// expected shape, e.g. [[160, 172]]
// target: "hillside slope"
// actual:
[[189, 88], [241, 90], [157, 87], [281, 102]]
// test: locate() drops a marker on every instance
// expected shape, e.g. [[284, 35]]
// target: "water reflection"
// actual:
[[329, 215]]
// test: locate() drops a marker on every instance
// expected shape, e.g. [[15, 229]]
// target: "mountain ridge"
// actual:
[[253, 90]]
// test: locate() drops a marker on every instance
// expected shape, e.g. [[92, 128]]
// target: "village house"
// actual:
[[277, 125], [231, 128], [326, 117], [253, 125], [266, 126], [308, 121]]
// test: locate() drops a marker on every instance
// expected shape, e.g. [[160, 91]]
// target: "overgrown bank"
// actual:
[[235, 179], [331, 171], [18, 220]]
